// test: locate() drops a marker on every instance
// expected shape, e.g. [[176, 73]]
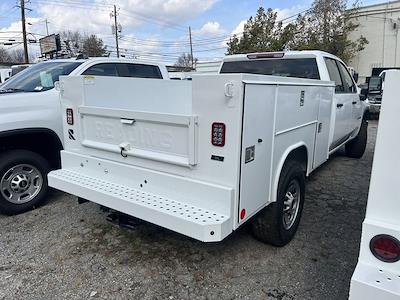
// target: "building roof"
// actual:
[[379, 4]]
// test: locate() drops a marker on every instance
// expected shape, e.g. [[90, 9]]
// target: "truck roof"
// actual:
[[286, 54], [85, 63], [105, 60]]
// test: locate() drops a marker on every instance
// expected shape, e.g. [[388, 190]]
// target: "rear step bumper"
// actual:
[[186, 217]]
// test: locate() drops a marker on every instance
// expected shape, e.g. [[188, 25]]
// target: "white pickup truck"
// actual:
[[377, 275], [203, 157], [31, 128]]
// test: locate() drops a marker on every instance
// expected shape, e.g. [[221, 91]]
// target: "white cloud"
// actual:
[[131, 14], [239, 28], [284, 13], [12, 33], [64, 18], [210, 28]]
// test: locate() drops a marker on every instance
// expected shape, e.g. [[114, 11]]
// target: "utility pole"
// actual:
[[26, 56], [47, 26], [191, 46], [116, 29]]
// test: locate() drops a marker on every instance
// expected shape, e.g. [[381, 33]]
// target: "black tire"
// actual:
[[14, 158], [268, 225], [356, 147]]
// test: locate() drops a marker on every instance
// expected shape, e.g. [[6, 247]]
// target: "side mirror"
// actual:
[[375, 85], [355, 77], [364, 94]]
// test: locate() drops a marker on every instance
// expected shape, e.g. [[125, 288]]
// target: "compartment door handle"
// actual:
[[128, 121]]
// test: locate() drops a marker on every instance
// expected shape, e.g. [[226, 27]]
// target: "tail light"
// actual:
[[385, 248], [266, 55], [70, 116], [218, 134]]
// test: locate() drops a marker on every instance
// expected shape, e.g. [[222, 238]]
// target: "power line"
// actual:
[[104, 7]]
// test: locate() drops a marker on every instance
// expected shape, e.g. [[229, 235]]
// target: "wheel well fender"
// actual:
[[297, 152], [43, 141]]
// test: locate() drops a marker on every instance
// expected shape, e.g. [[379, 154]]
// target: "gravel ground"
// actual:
[[69, 251]]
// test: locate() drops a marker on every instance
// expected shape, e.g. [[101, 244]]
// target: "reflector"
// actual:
[[385, 248], [70, 116]]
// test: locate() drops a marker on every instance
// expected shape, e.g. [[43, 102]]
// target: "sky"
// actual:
[[151, 29]]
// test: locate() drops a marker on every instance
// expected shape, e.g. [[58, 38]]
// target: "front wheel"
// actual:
[[277, 223], [23, 181]]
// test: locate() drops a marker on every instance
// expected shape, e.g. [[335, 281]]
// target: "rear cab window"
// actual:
[[286, 67], [139, 71], [124, 70], [106, 69]]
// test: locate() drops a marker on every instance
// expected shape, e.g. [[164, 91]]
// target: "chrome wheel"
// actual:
[[21, 183], [291, 204]]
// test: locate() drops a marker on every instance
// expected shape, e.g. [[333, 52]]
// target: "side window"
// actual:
[[348, 83], [139, 71], [334, 74], [102, 70]]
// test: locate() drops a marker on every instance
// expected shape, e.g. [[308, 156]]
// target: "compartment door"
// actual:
[[323, 132], [257, 144]]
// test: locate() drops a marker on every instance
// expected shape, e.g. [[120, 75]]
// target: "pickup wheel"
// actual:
[[356, 147], [277, 223], [23, 181]]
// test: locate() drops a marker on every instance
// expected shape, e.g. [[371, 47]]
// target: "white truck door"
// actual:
[[350, 91], [322, 135], [257, 143], [343, 105]]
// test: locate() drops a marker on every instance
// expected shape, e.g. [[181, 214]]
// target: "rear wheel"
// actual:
[[278, 222], [356, 147], [23, 181]]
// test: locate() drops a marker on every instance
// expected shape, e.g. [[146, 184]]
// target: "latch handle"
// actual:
[[229, 89], [128, 121]]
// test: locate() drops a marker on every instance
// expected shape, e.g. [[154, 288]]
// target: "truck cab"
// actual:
[[31, 134], [349, 111]]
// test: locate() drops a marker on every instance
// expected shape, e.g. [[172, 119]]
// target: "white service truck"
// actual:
[[377, 275], [31, 127], [203, 157]]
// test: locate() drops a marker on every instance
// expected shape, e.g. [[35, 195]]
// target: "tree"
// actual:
[[77, 43], [185, 61], [329, 27], [93, 46], [73, 41], [261, 33], [326, 26], [4, 55], [14, 56]]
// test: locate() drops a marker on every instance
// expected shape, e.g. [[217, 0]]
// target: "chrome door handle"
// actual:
[[128, 121]]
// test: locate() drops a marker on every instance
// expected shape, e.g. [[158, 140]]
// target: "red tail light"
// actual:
[[385, 248], [266, 55], [70, 116], [218, 134]]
